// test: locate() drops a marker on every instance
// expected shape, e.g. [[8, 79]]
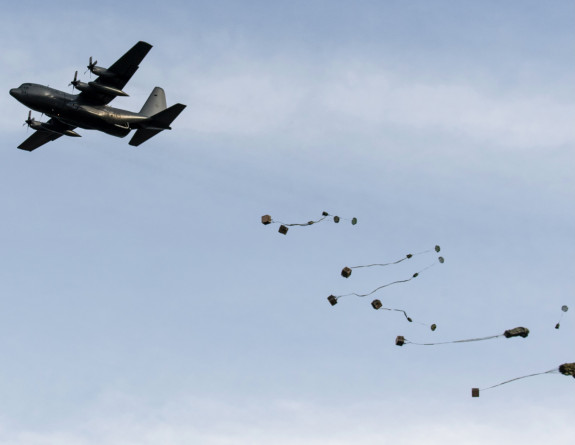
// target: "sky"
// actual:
[[142, 300]]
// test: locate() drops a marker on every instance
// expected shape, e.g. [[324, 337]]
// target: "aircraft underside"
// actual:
[[109, 122]]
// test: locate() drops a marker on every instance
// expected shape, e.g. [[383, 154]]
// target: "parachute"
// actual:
[[346, 272], [564, 309], [377, 305], [565, 369], [283, 229], [515, 332], [333, 298]]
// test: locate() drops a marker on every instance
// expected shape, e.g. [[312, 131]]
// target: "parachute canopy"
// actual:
[[516, 332], [567, 369]]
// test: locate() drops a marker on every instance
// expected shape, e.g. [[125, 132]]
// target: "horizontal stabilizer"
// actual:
[[142, 135], [163, 119], [155, 124]]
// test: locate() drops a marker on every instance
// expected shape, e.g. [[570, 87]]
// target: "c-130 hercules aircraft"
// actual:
[[89, 109]]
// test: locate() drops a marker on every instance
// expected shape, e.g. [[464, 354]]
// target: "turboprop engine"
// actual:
[[94, 87], [44, 126]]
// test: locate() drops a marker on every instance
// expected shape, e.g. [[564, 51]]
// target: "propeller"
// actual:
[[91, 66], [75, 81], [28, 121]]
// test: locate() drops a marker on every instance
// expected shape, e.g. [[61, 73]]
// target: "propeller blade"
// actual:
[[75, 81], [29, 120], [90, 67]]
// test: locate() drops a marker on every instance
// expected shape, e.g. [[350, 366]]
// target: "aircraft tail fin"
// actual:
[[156, 102], [158, 122]]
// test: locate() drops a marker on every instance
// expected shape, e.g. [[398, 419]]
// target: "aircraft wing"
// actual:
[[41, 137], [123, 69]]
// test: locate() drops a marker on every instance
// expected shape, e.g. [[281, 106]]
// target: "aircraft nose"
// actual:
[[15, 92]]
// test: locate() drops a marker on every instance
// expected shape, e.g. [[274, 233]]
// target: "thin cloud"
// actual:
[[287, 422], [255, 99], [514, 118]]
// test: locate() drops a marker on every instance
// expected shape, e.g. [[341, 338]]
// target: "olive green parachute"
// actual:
[[377, 305], [563, 309], [347, 271], [515, 332], [283, 229], [565, 369]]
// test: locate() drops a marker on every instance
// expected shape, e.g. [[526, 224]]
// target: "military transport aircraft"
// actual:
[[89, 109]]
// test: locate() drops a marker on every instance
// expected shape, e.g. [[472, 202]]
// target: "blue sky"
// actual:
[[144, 302]]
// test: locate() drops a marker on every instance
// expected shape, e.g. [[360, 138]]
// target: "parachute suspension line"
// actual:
[[563, 309], [565, 369], [454, 341], [415, 275], [383, 264], [309, 223], [267, 219], [551, 371], [440, 259], [515, 332], [346, 272], [378, 288], [376, 304]]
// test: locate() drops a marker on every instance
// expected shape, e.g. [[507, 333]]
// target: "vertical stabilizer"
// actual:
[[155, 103]]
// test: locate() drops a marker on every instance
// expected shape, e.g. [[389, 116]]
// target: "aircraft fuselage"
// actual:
[[69, 109]]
